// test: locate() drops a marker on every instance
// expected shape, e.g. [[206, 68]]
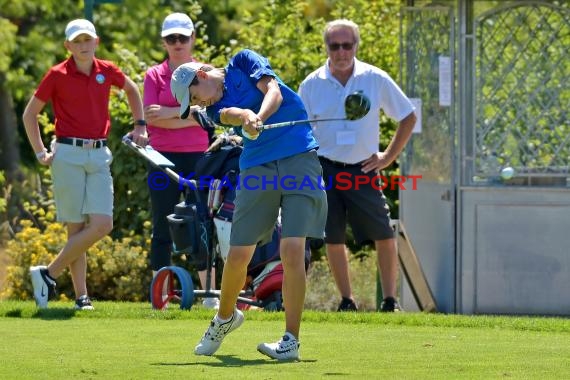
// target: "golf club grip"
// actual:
[[295, 122]]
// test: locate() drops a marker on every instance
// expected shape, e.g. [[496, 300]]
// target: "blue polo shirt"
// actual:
[[243, 72]]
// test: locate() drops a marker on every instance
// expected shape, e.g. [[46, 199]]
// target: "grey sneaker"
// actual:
[[211, 303], [83, 303], [43, 284], [217, 331], [287, 348]]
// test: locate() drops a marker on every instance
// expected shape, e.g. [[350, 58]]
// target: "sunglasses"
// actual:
[[345, 46], [172, 38]]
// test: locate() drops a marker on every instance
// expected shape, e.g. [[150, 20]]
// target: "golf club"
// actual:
[[356, 106]]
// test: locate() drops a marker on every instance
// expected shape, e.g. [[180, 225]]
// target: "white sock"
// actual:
[[224, 320]]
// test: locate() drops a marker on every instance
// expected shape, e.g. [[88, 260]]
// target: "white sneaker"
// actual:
[[211, 303], [217, 331], [287, 348], [44, 286]]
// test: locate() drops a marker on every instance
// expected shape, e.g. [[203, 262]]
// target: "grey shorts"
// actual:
[[292, 185], [82, 182], [364, 208]]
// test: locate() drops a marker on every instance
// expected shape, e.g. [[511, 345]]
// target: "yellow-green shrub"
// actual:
[[117, 269]]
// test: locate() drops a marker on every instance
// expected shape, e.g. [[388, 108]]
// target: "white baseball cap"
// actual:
[[177, 23], [79, 26], [181, 79]]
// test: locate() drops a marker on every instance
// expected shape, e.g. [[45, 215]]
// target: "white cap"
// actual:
[[181, 79], [79, 26], [177, 23]]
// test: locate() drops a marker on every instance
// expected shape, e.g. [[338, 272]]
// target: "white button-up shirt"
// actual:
[[324, 96]]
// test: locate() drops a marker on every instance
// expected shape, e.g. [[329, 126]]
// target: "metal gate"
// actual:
[[513, 252], [489, 243], [522, 94], [427, 38]]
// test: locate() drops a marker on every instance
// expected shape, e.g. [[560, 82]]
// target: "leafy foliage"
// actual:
[[117, 268], [294, 45], [3, 199], [289, 33]]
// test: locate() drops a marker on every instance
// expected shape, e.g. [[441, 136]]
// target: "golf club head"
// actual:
[[356, 105], [204, 121]]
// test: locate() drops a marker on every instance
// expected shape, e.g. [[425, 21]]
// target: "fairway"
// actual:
[[131, 341]]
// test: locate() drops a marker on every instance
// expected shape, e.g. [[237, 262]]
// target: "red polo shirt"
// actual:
[[80, 102]]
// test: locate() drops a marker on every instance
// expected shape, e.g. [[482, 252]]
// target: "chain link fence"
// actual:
[[522, 92]]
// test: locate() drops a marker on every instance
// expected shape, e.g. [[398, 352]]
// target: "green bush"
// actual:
[[287, 32], [3, 199], [132, 199], [117, 269]]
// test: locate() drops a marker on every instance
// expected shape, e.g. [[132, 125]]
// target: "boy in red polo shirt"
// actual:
[[79, 90]]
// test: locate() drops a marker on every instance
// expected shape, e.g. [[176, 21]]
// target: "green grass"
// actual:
[[131, 341]]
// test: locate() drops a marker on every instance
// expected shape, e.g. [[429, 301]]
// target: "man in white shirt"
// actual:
[[351, 148]]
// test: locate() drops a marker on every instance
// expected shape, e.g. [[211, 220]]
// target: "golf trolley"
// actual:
[[195, 236]]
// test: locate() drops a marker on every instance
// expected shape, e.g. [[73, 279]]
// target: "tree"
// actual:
[[289, 33]]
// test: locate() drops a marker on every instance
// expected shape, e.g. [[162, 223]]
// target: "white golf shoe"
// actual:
[[287, 348], [43, 284], [217, 331]]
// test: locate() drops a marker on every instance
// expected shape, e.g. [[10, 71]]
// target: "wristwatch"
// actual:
[[41, 154], [141, 122]]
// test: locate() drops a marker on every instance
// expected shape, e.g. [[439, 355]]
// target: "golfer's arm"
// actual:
[[30, 119], [401, 137], [271, 103], [231, 116], [272, 99]]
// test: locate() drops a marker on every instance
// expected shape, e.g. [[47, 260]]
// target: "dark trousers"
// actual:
[[166, 193]]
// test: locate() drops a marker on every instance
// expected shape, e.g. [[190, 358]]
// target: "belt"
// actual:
[[83, 143], [340, 164]]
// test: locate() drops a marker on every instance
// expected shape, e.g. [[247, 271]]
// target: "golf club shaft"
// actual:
[[295, 122]]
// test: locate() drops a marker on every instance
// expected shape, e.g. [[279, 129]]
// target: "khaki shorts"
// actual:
[[292, 186], [82, 182]]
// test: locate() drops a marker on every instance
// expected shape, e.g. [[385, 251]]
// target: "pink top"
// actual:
[[157, 91]]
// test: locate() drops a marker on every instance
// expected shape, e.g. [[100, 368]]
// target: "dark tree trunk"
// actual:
[[9, 144]]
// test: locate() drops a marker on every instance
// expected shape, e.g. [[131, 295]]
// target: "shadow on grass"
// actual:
[[54, 314], [233, 361]]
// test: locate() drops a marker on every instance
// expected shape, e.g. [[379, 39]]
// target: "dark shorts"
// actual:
[[364, 207], [291, 186]]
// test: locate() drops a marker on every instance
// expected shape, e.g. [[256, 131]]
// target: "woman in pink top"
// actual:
[[182, 141]]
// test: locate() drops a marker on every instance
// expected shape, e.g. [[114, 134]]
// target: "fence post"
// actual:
[[90, 4]]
